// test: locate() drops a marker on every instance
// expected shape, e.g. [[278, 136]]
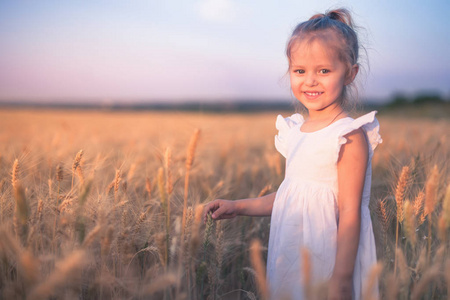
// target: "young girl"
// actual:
[[322, 204]]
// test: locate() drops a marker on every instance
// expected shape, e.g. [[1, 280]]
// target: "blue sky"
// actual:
[[205, 50]]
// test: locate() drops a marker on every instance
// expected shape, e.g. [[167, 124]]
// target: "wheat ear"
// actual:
[[117, 180], [15, 173], [76, 163], [384, 217], [148, 187], [418, 207], [400, 192], [399, 197]]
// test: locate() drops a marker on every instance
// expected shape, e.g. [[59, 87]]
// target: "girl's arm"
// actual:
[[352, 164], [226, 209]]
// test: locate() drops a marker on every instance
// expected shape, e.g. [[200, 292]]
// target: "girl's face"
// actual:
[[318, 76]]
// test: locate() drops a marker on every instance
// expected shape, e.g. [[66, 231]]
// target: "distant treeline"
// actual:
[[399, 101], [231, 106], [420, 99]]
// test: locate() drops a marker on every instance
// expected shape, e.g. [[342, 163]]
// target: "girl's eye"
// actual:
[[299, 71], [324, 71]]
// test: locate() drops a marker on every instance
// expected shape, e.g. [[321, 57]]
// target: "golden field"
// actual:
[[111, 222]]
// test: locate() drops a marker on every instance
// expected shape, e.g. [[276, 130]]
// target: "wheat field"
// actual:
[[107, 205]]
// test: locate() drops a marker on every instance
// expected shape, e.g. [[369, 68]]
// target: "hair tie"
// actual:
[[333, 15]]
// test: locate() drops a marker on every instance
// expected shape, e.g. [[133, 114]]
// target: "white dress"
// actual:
[[305, 213]]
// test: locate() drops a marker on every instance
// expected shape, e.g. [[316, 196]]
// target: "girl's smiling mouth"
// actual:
[[312, 95]]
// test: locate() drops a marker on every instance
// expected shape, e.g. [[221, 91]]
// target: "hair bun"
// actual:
[[341, 15]]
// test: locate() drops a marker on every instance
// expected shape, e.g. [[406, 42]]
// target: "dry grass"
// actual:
[[121, 219]]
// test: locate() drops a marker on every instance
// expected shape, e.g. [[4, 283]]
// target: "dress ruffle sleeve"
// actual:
[[371, 127], [284, 126]]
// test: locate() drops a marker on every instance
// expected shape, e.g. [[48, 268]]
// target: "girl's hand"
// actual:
[[340, 288], [220, 209]]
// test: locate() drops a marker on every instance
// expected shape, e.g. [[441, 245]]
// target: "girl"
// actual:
[[322, 204]]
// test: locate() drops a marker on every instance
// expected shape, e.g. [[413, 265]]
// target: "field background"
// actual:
[[109, 227]]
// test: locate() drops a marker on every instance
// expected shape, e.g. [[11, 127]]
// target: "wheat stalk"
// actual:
[[22, 211], [446, 207], [431, 191], [169, 190], [424, 283], [421, 263], [189, 161], [399, 197], [131, 172], [28, 264], [64, 273], [392, 287], [447, 276], [141, 220], [430, 201], [148, 187], [50, 187], [168, 172], [383, 215], [161, 188], [160, 241], [105, 242], [80, 174], [15, 175], [306, 268], [92, 236], [159, 284], [400, 191], [117, 180], [410, 223], [76, 163], [219, 245], [442, 229], [371, 284], [185, 242], [418, 207], [59, 173], [258, 265], [40, 207], [195, 233], [264, 190], [403, 267]]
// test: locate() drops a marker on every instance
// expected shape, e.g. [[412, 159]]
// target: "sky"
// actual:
[[206, 50]]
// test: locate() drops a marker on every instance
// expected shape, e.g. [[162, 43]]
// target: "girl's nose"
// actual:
[[311, 80]]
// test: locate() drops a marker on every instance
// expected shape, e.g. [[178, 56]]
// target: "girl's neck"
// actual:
[[326, 114], [320, 119]]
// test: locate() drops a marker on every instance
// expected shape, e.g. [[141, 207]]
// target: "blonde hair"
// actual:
[[319, 26]]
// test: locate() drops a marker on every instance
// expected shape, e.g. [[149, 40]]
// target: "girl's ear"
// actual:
[[352, 74]]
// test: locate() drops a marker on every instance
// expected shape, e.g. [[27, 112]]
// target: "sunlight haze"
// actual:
[[204, 50]]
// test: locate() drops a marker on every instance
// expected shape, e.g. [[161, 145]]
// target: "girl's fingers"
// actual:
[[216, 214], [210, 207], [222, 213], [220, 209]]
